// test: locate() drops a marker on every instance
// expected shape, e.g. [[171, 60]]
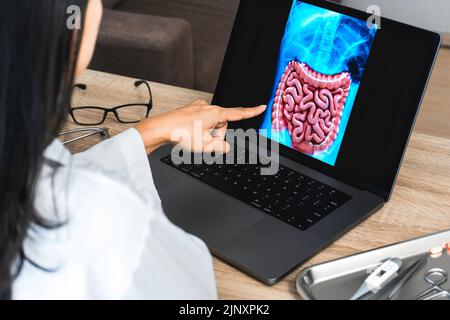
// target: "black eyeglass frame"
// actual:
[[113, 110]]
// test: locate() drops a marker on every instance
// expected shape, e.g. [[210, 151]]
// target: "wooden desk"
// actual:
[[420, 203], [434, 117]]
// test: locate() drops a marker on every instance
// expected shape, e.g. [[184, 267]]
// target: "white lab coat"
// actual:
[[116, 242]]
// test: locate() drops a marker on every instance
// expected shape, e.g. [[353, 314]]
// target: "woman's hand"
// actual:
[[198, 127]]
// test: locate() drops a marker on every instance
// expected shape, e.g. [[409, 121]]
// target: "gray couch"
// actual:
[[178, 42]]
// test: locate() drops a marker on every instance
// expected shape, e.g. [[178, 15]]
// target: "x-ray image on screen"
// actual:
[[322, 59]]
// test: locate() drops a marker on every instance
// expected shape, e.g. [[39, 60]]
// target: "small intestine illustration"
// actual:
[[309, 105], [322, 59]]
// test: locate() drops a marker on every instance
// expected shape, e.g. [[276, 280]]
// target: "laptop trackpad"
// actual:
[[206, 212]]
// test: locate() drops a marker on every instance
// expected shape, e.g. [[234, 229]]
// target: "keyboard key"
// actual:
[[208, 169], [318, 215], [217, 174], [167, 160], [196, 173], [225, 179], [256, 203], [186, 168]]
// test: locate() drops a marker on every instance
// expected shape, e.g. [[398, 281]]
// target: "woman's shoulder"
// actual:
[[103, 231]]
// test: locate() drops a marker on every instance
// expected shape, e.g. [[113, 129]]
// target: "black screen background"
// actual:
[[385, 108]]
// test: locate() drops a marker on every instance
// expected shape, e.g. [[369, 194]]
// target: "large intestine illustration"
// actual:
[[309, 105]]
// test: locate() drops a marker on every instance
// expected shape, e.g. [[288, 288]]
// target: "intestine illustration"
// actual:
[[322, 59], [310, 104]]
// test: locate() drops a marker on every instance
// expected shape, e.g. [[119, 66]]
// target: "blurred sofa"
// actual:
[[177, 42]]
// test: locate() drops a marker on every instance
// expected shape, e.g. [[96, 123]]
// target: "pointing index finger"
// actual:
[[237, 114]]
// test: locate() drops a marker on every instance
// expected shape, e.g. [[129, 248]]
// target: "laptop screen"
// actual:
[[321, 62], [342, 96]]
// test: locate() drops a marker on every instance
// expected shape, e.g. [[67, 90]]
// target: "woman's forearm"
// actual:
[[153, 134], [186, 122]]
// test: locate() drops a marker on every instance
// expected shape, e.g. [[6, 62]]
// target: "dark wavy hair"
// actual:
[[38, 54]]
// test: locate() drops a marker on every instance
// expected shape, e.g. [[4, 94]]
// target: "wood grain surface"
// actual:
[[434, 117], [420, 203]]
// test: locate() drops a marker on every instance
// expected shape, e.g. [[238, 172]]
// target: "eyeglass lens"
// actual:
[[132, 113], [89, 115]]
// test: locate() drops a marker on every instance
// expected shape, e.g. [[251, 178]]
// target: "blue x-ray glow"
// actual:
[[330, 43]]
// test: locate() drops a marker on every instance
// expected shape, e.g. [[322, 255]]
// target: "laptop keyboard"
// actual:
[[289, 196]]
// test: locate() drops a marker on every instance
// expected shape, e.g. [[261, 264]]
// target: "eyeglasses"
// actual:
[[126, 113], [88, 132]]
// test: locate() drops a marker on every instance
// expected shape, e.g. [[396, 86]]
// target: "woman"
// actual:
[[88, 226]]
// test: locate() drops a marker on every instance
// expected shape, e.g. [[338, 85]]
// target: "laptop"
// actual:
[[343, 90]]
